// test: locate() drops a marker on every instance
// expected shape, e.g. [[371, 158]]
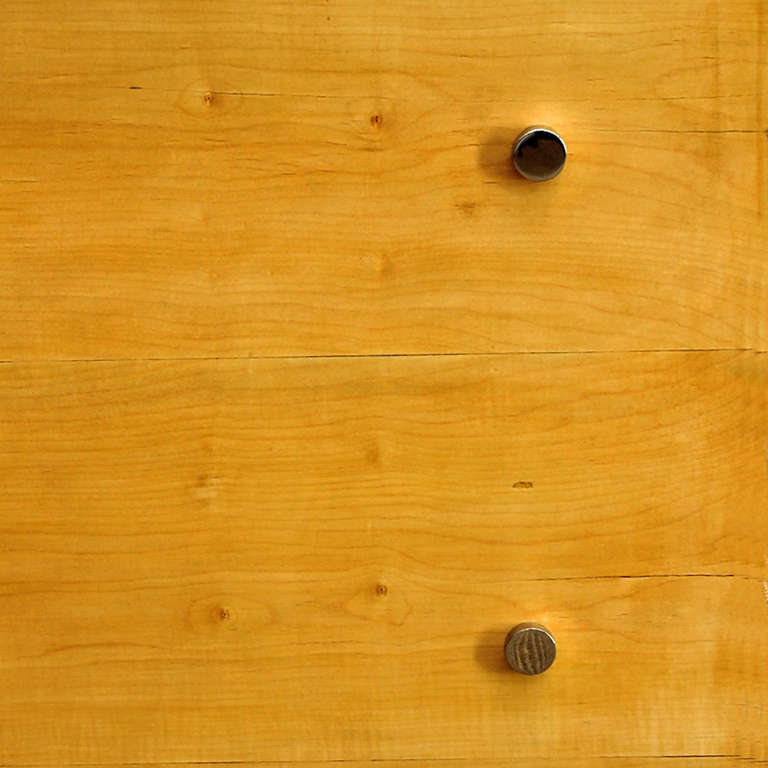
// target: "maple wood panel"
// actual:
[[534, 466], [710, 761], [334, 178], [319, 559], [306, 399]]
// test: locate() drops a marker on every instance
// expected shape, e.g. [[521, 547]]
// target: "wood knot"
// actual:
[[224, 614], [206, 487], [382, 590], [467, 207], [373, 454], [377, 120], [207, 100]]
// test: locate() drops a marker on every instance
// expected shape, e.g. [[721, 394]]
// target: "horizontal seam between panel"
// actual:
[[380, 355], [374, 760]]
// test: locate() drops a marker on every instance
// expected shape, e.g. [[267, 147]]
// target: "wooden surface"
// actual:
[[718, 761], [180, 180], [320, 559], [305, 401]]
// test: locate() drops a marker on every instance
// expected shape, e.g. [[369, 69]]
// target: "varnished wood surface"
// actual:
[[305, 401], [710, 761], [320, 559], [333, 178], [533, 466]]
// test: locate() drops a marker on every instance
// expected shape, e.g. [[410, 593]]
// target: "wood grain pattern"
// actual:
[[251, 665], [333, 178], [585, 53], [320, 559], [212, 557], [709, 761], [519, 465]]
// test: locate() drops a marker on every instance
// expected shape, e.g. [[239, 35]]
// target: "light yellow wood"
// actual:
[[709, 761], [502, 465], [183, 180], [589, 54], [210, 557], [319, 559]]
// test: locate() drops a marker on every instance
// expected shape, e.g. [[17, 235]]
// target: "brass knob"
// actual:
[[539, 153], [530, 648]]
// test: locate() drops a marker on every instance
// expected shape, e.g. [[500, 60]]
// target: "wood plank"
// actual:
[[286, 186], [238, 666], [319, 559], [623, 66], [193, 251], [710, 761], [513, 466]]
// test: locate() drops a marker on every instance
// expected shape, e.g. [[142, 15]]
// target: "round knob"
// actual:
[[530, 648], [539, 154]]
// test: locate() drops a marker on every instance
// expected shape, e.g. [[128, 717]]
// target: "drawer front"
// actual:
[[333, 177], [307, 399], [279, 561]]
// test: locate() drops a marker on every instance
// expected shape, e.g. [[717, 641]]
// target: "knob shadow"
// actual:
[[494, 155], [489, 650]]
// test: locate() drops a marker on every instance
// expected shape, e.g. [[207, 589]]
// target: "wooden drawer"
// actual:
[[258, 178], [306, 398]]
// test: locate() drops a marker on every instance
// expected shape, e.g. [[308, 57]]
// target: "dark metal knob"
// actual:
[[530, 648], [539, 153]]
